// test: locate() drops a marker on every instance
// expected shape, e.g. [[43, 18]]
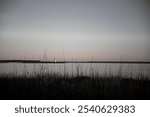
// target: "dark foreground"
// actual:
[[73, 88]]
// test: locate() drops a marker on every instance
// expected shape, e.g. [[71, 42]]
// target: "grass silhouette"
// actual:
[[43, 84], [55, 86]]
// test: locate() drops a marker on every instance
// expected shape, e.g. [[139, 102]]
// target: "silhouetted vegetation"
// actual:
[[55, 86], [45, 84]]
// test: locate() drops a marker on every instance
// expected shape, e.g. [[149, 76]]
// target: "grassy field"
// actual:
[[48, 86]]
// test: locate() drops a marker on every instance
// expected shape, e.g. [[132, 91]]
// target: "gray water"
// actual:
[[74, 69]]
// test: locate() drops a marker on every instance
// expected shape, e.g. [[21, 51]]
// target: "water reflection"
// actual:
[[74, 69]]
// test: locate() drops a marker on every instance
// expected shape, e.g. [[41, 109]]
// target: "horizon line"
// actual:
[[98, 61]]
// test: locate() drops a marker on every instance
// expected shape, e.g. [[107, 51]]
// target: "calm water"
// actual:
[[73, 69]]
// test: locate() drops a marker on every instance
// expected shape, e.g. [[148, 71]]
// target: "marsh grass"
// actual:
[[44, 83]]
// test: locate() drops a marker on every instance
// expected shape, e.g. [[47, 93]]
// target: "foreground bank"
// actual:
[[52, 87]]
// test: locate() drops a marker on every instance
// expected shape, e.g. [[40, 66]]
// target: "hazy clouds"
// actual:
[[84, 29]]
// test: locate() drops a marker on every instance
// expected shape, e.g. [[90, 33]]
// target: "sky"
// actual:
[[75, 29]]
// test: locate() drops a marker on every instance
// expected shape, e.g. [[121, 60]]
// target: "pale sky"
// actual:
[[75, 29]]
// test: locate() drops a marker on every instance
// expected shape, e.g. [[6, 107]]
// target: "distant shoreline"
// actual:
[[63, 62]]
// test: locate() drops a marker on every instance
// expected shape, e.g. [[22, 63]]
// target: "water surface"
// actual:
[[74, 69]]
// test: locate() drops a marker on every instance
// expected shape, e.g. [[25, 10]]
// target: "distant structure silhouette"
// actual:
[[55, 60]]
